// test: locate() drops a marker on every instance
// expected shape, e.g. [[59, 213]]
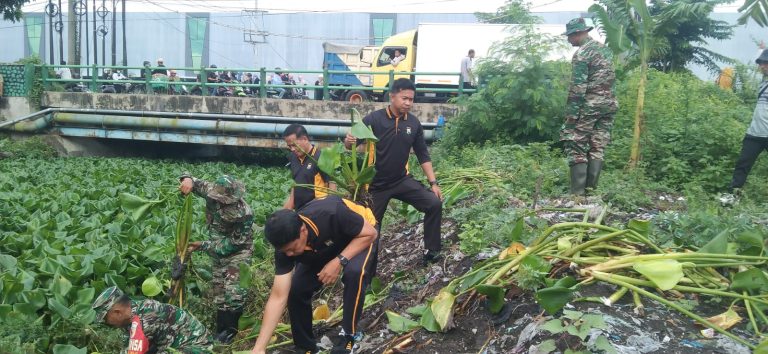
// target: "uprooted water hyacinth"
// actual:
[[628, 259]]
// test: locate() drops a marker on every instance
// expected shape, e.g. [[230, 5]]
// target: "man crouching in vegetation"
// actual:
[[590, 107], [230, 222], [153, 327], [312, 245]]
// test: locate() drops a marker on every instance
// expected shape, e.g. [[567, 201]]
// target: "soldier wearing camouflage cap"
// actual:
[[590, 108], [153, 327], [230, 243]]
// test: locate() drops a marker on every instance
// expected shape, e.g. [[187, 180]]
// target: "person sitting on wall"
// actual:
[[159, 70], [399, 57]]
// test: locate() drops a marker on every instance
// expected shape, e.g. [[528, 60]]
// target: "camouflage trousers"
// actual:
[[586, 137], [227, 293]]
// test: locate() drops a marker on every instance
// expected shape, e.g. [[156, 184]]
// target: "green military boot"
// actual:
[[578, 178], [593, 173]]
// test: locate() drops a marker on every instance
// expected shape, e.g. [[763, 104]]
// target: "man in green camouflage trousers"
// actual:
[[230, 244], [152, 327], [590, 107]]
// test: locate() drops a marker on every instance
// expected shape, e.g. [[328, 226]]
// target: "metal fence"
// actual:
[[84, 76]]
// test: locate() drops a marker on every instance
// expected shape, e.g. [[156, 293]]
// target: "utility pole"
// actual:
[[114, 33], [125, 46]]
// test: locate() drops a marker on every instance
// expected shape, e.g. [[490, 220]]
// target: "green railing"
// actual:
[[85, 74]]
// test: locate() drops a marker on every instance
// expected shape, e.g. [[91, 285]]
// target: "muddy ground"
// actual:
[[518, 328]]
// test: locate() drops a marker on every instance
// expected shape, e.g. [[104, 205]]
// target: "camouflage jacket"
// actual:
[[230, 225], [592, 90], [168, 327]]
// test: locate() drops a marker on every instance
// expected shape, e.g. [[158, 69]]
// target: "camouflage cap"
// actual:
[[105, 301], [576, 25], [227, 190], [763, 58]]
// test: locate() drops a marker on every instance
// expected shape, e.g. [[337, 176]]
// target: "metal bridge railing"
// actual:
[[88, 75]]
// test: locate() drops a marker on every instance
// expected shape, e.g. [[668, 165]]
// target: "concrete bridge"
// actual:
[[80, 119]]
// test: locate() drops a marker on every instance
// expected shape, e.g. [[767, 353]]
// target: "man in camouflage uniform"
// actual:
[[152, 327], [590, 108], [230, 244]]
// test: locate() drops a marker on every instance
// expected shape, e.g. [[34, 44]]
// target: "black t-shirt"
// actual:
[[397, 135], [331, 224], [305, 171]]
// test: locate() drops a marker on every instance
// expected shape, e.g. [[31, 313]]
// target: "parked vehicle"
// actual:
[[431, 48]]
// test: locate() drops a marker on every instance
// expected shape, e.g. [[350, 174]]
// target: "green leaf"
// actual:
[[85, 295], [752, 281], [553, 326], [592, 320], [25, 308], [495, 295], [35, 298], [473, 280], [417, 310], [400, 324], [547, 346], [428, 320], [136, 205], [554, 298], [751, 243], [59, 308], [330, 159], [536, 263], [665, 273], [643, 227], [366, 175], [517, 232], [761, 348], [442, 308], [61, 285], [361, 131], [8, 263], [245, 276], [376, 286], [151, 287], [602, 343], [68, 349], [719, 244]]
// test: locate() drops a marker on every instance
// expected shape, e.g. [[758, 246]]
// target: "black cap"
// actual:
[[763, 58]]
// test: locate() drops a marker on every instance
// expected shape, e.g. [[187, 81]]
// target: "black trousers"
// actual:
[[356, 277], [751, 148], [424, 200]]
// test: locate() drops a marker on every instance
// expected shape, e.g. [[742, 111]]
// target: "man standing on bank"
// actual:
[[304, 170], [756, 138], [230, 223], [590, 107], [398, 132], [312, 245]]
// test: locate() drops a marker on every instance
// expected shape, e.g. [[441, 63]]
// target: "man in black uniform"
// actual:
[[398, 132], [312, 245], [304, 169]]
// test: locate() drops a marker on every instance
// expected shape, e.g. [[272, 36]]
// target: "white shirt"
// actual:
[[466, 69], [64, 73], [396, 60]]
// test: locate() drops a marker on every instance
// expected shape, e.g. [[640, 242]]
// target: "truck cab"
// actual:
[[405, 43]]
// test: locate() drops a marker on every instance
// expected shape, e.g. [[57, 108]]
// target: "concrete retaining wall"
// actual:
[[14, 107], [427, 112]]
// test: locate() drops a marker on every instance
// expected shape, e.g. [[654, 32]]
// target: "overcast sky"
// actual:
[[385, 6]]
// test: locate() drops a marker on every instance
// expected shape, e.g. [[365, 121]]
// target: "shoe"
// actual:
[[593, 173], [578, 178], [728, 199], [432, 257], [345, 345], [226, 336]]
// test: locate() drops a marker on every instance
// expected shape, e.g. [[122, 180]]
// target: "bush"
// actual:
[[31, 147], [692, 130], [521, 94]]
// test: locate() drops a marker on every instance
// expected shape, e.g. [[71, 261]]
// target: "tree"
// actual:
[[11, 9], [644, 38], [757, 10], [683, 27], [514, 11]]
